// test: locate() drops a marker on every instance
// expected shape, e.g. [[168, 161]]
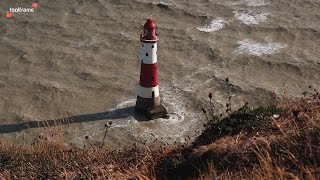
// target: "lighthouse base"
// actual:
[[154, 113], [151, 108]]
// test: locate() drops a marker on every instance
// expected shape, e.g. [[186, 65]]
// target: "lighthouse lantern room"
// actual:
[[148, 99]]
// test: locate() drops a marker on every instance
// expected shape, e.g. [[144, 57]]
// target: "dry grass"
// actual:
[[287, 147], [235, 147]]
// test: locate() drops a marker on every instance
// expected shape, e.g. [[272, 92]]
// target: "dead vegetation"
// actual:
[[277, 142]]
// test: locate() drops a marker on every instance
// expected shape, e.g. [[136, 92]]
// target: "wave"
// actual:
[[249, 17], [256, 2], [215, 25], [254, 48]]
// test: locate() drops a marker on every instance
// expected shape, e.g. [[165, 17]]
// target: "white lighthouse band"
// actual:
[[148, 92], [149, 53]]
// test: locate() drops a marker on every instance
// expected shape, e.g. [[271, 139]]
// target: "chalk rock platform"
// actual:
[[154, 113]]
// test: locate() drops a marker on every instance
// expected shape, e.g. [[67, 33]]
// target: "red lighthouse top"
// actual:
[[149, 34], [149, 24]]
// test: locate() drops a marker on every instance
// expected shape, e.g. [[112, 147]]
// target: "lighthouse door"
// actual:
[[152, 94]]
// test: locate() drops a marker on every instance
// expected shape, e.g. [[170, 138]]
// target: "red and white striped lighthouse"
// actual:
[[148, 99]]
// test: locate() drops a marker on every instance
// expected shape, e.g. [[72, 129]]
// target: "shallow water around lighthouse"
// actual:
[[80, 59]]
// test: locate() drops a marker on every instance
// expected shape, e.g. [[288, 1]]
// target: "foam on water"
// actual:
[[255, 2], [161, 3], [174, 101], [127, 103], [248, 17], [83, 43], [253, 48], [215, 25], [171, 130], [249, 2]]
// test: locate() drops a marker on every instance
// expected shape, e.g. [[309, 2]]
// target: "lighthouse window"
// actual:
[[146, 32], [152, 78], [142, 45], [146, 54], [152, 46]]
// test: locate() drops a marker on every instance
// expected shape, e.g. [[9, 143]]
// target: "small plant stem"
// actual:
[[212, 109], [104, 137], [207, 117], [229, 99]]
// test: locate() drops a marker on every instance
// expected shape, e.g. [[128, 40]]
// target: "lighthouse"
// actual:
[[148, 98]]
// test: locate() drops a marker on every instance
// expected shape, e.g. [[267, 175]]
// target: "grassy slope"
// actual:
[[249, 143]]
